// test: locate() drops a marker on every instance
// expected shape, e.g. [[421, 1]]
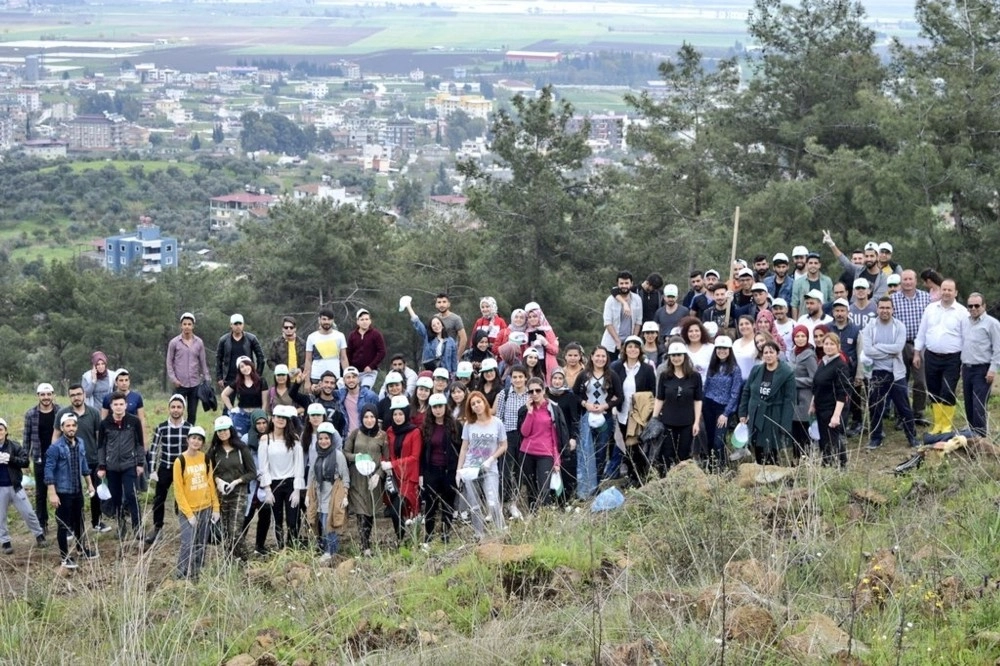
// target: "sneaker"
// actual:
[[874, 444], [88, 553], [367, 552], [41, 541], [101, 528], [324, 558], [152, 536], [8, 549], [69, 563], [515, 513]]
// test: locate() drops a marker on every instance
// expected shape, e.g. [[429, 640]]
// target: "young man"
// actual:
[[186, 364], [882, 344], [39, 426], [169, 441], [870, 270], [621, 321], [327, 397], [761, 270], [778, 283], [326, 351], [813, 316], [354, 398], [453, 325], [850, 335], [237, 342], [695, 299], [717, 311], [121, 459], [670, 313], [13, 461], [133, 399], [88, 420], [813, 280], [288, 349], [908, 306], [799, 255], [398, 365], [862, 309], [784, 325], [66, 473], [365, 348]]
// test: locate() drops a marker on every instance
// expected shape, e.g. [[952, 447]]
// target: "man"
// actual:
[[121, 459], [813, 316], [169, 441], [862, 310], [712, 278], [813, 280], [758, 301], [186, 365], [326, 351], [327, 397], [778, 284], [133, 399], [651, 293], [784, 325], [799, 255], [980, 360], [885, 262], [761, 269], [366, 348], [237, 342], [621, 321], [398, 364], [453, 325], [66, 470], [87, 419], [882, 343], [354, 397], [39, 425], [696, 298], [893, 281], [288, 349], [870, 271], [938, 349], [670, 313], [743, 295], [717, 311], [13, 461], [839, 292], [857, 259], [908, 306], [849, 334]]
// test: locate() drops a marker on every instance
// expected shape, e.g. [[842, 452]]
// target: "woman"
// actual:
[[393, 386], [679, 394], [404, 442], [491, 323], [599, 392], [518, 324], [766, 323], [455, 400], [932, 282], [744, 350], [285, 391], [282, 476], [652, 348], [509, 401], [97, 382], [532, 362], [638, 380], [327, 491], [484, 442], [419, 405], [368, 441], [247, 392], [440, 351], [442, 440], [819, 332], [722, 399], [699, 349], [830, 387], [197, 503], [543, 435], [510, 355], [487, 382], [767, 405], [542, 338], [315, 416], [559, 392], [479, 351], [258, 432], [234, 468], [573, 366], [804, 366]]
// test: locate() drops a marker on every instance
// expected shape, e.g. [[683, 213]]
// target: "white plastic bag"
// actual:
[[556, 483]]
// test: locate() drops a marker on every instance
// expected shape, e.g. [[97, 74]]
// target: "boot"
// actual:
[[947, 418], [937, 419]]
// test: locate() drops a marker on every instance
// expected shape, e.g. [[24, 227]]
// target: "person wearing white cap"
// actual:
[[233, 345], [813, 315], [679, 396], [398, 364], [850, 339], [354, 397], [894, 281], [885, 262], [652, 342], [783, 324], [88, 419], [186, 365], [13, 461], [39, 428], [667, 315], [870, 271], [813, 280], [722, 399], [442, 441], [620, 319], [197, 504], [742, 293], [862, 309], [234, 468], [365, 348], [169, 441], [288, 349], [67, 474], [638, 379], [326, 492], [779, 283], [282, 477], [760, 300], [249, 391], [799, 254], [487, 381]]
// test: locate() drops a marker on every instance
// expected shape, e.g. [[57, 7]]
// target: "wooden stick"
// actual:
[[732, 257]]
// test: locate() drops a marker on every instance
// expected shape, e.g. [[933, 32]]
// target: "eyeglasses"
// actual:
[[288, 328], [975, 305], [536, 390]]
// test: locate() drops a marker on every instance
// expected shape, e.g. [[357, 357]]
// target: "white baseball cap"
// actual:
[[44, 387], [676, 348], [670, 290], [800, 251], [885, 247], [437, 399], [780, 257], [222, 423], [236, 319], [861, 283], [196, 431], [280, 369], [841, 301], [314, 409], [779, 303], [188, 315], [488, 364], [723, 341], [758, 286], [815, 294], [441, 373]]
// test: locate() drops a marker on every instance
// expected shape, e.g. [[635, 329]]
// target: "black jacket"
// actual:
[[119, 449], [645, 379], [830, 385], [453, 450], [612, 385], [225, 349], [562, 430], [19, 461]]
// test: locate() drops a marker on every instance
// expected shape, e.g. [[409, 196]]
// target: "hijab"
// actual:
[[772, 328], [491, 306], [100, 356], [370, 432], [400, 431], [799, 328], [477, 356]]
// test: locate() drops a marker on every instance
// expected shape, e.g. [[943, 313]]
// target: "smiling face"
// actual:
[[369, 420], [436, 326]]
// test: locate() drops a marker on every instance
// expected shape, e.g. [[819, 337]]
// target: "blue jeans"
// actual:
[[591, 454], [330, 541], [241, 421]]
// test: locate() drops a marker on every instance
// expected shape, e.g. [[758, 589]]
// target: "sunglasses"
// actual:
[[975, 305], [536, 390], [288, 328]]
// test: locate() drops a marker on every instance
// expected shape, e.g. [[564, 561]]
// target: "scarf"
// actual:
[[326, 472], [475, 355], [370, 432], [795, 331], [100, 356], [401, 431]]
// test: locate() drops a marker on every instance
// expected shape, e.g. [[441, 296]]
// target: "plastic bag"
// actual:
[[609, 499], [27, 482], [103, 492], [556, 483]]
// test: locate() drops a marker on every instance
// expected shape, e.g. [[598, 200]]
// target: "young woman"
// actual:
[[491, 323], [533, 363], [327, 491], [285, 391], [370, 441], [419, 405], [542, 338], [248, 392], [767, 405], [599, 391], [442, 440], [234, 468], [261, 425], [282, 476], [744, 350], [440, 351], [830, 390], [97, 382], [699, 349], [573, 366], [638, 378], [804, 366], [479, 351], [543, 435], [486, 382], [932, 283], [722, 399], [457, 394], [197, 503], [679, 395], [766, 323], [652, 348], [509, 401], [404, 443], [819, 333], [518, 323], [484, 442], [560, 393]]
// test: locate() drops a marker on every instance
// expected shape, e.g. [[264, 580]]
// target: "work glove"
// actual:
[[373, 482], [294, 499], [268, 496], [386, 466]]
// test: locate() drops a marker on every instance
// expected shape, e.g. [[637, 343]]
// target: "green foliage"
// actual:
[[276, 133], [120, 103]]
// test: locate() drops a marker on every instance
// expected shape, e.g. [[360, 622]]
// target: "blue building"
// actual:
[[143, 251]]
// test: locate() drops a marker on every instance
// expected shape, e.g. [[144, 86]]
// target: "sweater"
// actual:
[[724, 389], [194, 486]]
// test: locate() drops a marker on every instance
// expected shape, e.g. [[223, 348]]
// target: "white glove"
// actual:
[[216, 517], [221, 486], [152, 477], [373, 482], [827, 239], [420, 482], [268, 496], [294, 499], [307, 501], [193, 521], [343, 503], [538, 342], [4, 458], [488, 464], [458, 480], [386, 466]]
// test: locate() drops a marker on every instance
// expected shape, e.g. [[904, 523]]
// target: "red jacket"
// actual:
[[406, 468]]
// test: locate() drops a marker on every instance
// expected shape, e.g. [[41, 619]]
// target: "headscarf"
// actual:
[[400, 431], [510, 353], [772, 328], [562, 389], [514, 327], [795, 331], [491, 306], [371, 432], [325, 472], [475, 355], [543, 323], [99, 356]]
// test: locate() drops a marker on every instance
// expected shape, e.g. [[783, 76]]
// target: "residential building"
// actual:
[[607, 130], [401, 132], [476, 106], [336, 196], [226, 211], [46, 149], [143, 251], [6, 133], [96, 132]]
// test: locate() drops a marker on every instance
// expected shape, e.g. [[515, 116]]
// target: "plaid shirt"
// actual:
[[31, 440], [509, 402], [74, 464], [169, 441], [910, 310]]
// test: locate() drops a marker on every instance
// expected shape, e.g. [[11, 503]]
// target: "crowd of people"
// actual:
[[502, 418]]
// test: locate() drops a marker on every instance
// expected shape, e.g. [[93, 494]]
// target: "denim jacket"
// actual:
[[57, 471]]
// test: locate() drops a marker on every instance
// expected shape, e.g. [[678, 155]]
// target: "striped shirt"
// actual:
[[76, 485], [910, 310], [169, 441]]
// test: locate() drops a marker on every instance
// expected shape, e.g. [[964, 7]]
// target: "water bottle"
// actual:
[[390, 484]]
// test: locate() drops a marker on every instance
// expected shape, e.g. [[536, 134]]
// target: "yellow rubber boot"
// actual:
[[947, 418], [937, 419]]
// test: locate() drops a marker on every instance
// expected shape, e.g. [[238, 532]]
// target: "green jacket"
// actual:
[[769, 417]]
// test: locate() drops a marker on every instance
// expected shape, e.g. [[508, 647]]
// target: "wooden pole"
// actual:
[[732, 256]]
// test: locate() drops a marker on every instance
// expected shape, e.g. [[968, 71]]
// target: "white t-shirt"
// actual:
[[325, 348], [484, 439], [785, 331], [745, 356], [701, 358], [810, 323]]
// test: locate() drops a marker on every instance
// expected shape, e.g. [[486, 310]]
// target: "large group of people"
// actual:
[[502, 419]]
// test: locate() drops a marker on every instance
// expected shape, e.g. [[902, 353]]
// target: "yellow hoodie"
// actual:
[[194, 488]]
